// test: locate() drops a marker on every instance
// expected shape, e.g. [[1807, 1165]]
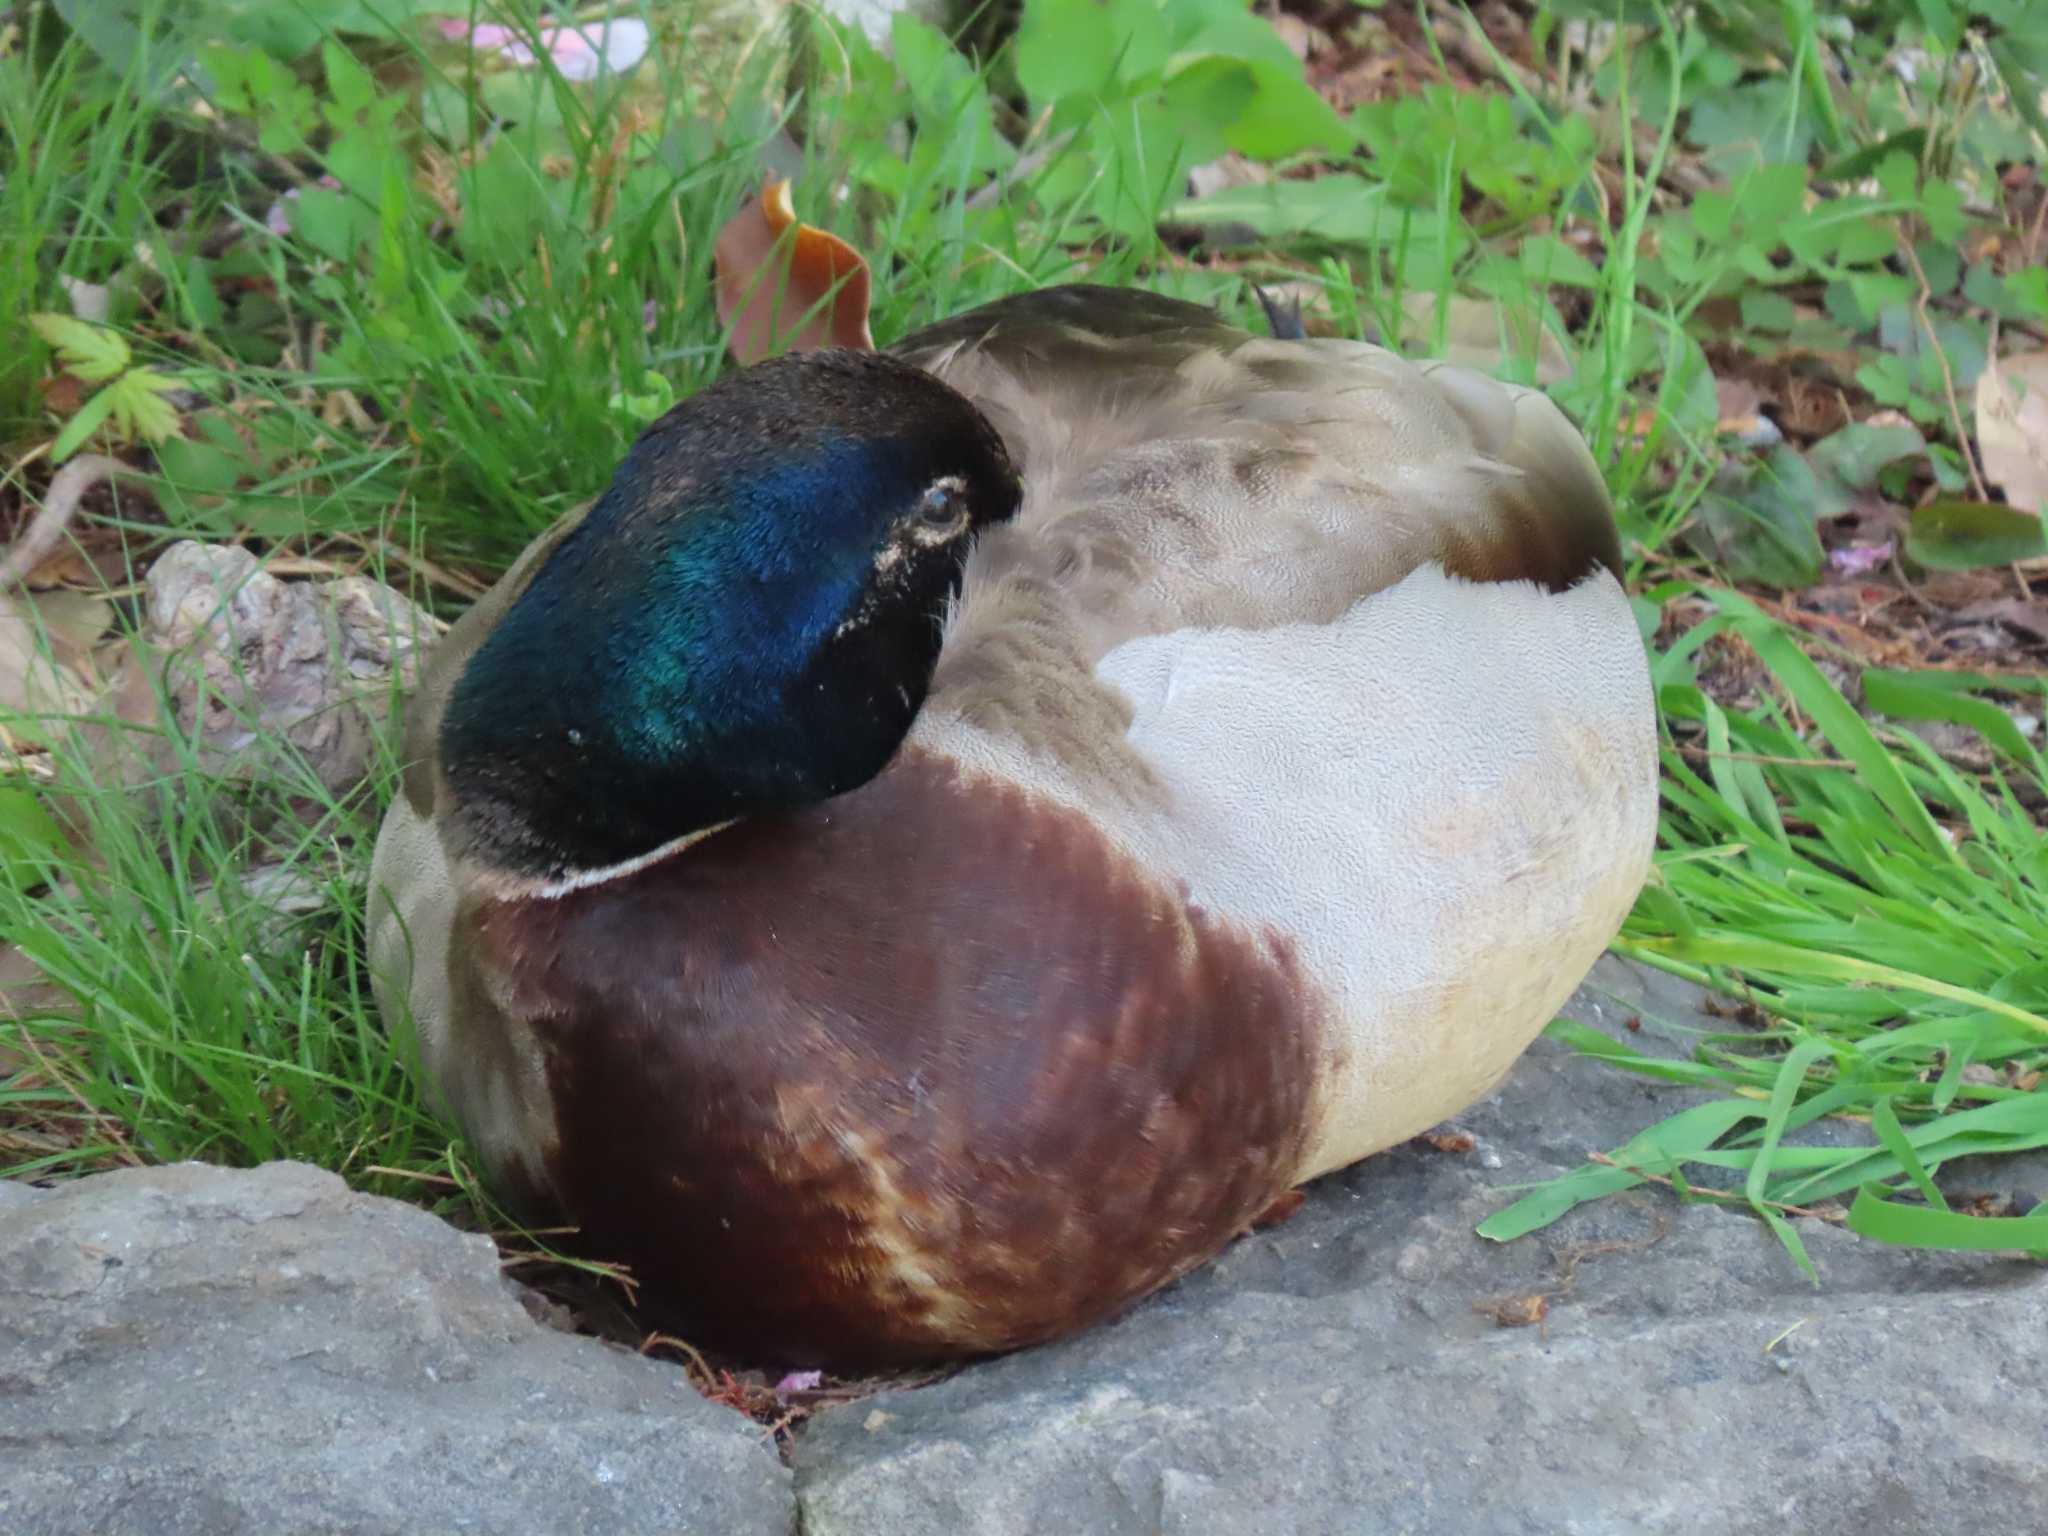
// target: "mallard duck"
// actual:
[[955, 834]]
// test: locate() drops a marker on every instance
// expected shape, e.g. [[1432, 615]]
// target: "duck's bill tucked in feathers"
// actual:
[[1287, 760]]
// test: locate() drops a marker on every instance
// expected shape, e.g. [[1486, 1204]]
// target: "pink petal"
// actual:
[[580, 53], [488, 36], [573, 53], [1860, 559], [583, 53]]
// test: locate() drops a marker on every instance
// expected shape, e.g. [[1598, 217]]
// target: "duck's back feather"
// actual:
[[1120, 404]]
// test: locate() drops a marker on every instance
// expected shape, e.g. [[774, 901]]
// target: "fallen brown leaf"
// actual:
[[62, 395], [785, 286], [1449, 1141], [1738, 402], [1515, 1311], [2028, 615], [2012, 427], [33, 682]]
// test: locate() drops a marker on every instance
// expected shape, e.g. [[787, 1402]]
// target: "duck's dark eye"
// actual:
[[941, 511], [942, 507]]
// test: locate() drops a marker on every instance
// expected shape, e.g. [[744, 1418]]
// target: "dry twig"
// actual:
[[60, 508]]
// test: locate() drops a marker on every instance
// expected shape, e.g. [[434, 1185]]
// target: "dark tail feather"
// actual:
[[1285, 320]]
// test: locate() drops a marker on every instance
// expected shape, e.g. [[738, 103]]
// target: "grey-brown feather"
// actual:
[[1180, 473]]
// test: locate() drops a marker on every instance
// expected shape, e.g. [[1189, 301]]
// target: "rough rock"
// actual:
[[202, 1350], [255, 658], [1349, 1371]]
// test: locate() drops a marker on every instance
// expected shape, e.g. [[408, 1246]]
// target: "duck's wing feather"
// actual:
[[1332, 642], [1182, 474], [1151, 427]]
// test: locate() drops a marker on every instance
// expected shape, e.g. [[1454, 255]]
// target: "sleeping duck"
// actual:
[[955, 834]]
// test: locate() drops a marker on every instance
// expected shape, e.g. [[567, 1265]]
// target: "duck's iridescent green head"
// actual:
[[746, 621]]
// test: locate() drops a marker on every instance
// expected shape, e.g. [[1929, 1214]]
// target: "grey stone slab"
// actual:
[[203, 1350]]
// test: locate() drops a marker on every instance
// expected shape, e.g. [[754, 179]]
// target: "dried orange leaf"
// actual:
[[784, 286], [1450, 1141]]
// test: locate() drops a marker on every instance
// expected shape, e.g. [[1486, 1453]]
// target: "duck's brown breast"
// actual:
[[929, 1070]]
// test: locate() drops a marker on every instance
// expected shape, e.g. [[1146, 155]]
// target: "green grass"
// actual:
[[443, 351], [1887, 917]]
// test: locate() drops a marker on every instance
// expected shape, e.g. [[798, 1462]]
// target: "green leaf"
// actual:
[[1898, 173], [1916, 696], [1887, 379], [252, 84], [1760, 520], [1069, 48], [1944, 27], [197, 472], [1657, 1150], [1343, 209], [138, 40], [2022, 77], [1859, 242], [1795, 1245], [1545, 1205], [1757, 122], [81, 426], [333, 223], [1764, 310], [1836, 717], [92, 354], [1546, 260], [1885, 1121], [950, 100], [1784, 1092], [505, 206], [194, 288], [140, 411], [657, 397], [1278, 113], [1913, 1226], [1206, 96], [1955, 535], [1860, 163], [1942, 265], [1853, 457], [196, 466], [1748, 954], [1942, 206], [29, 837], [353, 87]]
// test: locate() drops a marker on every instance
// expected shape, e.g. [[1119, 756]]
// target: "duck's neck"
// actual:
[[663, 675]]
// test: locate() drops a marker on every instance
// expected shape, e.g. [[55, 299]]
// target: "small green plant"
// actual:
[[130, 402]]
